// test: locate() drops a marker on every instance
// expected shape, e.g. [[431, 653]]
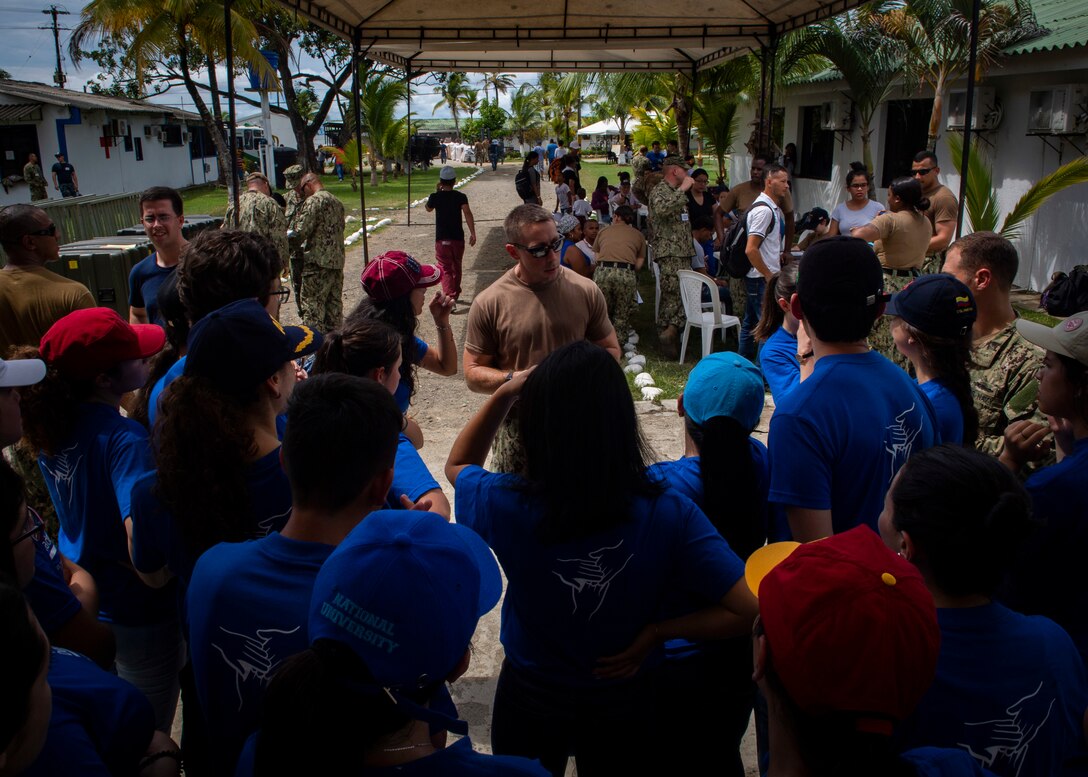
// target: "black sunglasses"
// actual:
[[284, 294], [922, 171], [50, 231], [539, 252], [33, 520]]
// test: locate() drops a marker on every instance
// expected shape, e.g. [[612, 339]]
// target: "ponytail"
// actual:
[[782, 285]]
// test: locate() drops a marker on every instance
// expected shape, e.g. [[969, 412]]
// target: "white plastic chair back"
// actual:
[[691, 295]]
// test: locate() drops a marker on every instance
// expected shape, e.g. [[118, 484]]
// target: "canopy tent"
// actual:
[[608, 127], [592, 35]]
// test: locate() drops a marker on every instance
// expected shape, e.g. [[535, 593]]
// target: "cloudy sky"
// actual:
[[29, 55]]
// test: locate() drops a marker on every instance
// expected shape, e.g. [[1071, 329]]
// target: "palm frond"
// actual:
[[980, 197], [1069, 174]]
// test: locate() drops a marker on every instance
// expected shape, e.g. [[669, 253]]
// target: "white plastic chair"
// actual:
[[691, 294], [657, 282]]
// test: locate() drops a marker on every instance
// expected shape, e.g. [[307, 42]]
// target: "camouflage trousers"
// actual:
[[507, 451], [672, 308], [880, 339], [320, 302], [618, 287], [296, 260], [38, 193], [738, 290], [932, 263]]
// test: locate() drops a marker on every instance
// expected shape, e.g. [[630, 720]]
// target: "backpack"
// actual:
[[1067, 293], [524, 185], [734, 249], [555, 171]]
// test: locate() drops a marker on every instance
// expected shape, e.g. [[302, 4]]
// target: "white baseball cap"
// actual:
[[21, 372], [1068, 337]]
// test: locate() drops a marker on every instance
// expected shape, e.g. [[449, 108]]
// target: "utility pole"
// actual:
[[53, 11]]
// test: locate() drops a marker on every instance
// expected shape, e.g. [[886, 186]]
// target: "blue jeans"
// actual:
[[150, 657], [754, 288]]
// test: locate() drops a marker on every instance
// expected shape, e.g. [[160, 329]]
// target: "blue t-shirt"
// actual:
[[401, 395], [778, 360], [838, 439], [248, 604], [144, 281], [101, 725], [550, 150], [947, 409], [158, 540], [457, 759], [1010, 690], [569, 604], [90, 481], [176, 371], [943, 762], [49, 596], [410, 475], [656, 159], [1049, 579]]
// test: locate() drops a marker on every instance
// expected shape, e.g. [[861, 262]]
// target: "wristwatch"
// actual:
[[509, 376]]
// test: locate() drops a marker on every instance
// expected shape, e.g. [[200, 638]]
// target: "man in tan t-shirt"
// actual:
[[32, 298], [944, 208], [534, 308]]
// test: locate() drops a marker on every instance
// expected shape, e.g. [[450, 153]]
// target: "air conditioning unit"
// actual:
[[156, 130], [147, 130], [837, 115], [185, 137], [987, 111], [1058, 110], [122, 128]]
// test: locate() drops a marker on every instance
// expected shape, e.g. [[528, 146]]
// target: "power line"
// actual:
[[53, 11]]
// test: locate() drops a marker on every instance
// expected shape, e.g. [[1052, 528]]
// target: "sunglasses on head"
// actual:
[[539, 252]]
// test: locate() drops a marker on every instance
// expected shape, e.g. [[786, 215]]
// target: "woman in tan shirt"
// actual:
[[904, 232]]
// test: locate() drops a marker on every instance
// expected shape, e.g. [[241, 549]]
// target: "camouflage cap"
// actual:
[[294, 171], [674, 161]]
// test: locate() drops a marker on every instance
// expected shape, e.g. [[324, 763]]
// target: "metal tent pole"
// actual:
[[969, 113], [232, 118], [408, 118], [762, 98], [356, 56]]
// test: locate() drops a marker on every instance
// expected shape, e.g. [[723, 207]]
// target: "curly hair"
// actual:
[[398, 313], [50, 408], [204, 442]]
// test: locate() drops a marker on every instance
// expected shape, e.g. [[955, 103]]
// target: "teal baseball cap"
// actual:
[[724, 385]]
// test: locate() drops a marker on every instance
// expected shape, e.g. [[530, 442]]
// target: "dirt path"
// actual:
[[443, 405]]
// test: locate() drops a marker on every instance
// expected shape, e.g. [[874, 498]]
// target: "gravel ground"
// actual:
[[442, 405]]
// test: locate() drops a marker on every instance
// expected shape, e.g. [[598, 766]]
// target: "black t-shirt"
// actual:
[[447, 214], [64, 172], [706, 209]]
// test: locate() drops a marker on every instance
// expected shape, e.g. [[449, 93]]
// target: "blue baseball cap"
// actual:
[[724, 385], [938, 305], [240, 345], [404, 591]]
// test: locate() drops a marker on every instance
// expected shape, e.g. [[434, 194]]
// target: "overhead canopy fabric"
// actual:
[[590, 35], [609, 127]]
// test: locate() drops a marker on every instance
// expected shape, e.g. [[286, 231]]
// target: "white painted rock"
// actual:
[[629, 347], [634, 369], [651, 393], [637, 359], [633, 338], [644, 379]]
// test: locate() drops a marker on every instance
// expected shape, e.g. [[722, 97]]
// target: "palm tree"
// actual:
[[980, 201], [558, 94], [654, 126], [618, 94], [453, 92], [716, 120], [191, 30], [470, 101], [525, 112], [386, 137], [868, 61], [936, 34], [348, 156], [501, 81]]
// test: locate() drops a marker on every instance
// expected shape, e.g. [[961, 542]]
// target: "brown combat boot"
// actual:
[[668, 340]]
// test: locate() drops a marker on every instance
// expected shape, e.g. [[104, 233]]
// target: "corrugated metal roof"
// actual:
[[1066, 22], [20, 112], [51, 95]]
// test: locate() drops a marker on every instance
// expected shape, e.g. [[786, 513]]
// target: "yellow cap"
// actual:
[[763, 560]]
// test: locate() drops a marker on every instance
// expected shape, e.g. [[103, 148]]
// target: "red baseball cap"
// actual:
[[88, 342], [851, 627], [395, 273]]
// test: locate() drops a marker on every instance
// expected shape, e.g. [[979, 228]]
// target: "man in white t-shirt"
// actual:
[[766, 228]]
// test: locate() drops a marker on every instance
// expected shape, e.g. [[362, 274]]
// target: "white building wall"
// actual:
[[119, 172], [1053, 239]]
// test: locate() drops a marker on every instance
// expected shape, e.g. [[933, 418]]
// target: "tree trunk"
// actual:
[[683, 123], [935, 114], [373, 171], [211, 123]]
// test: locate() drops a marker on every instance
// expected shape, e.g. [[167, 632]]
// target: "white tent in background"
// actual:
[[608, 127]]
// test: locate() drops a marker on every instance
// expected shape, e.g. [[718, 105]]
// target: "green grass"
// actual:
[[212, 200], [1038, 316]]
